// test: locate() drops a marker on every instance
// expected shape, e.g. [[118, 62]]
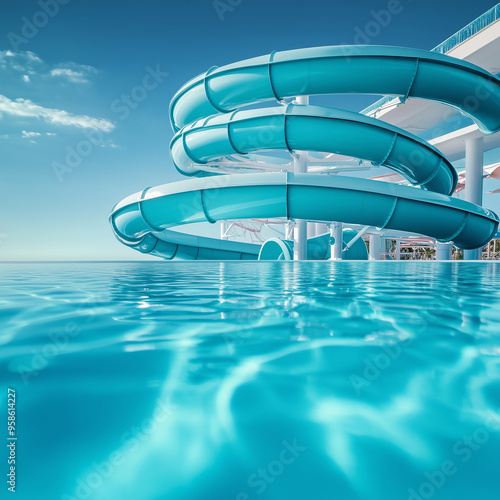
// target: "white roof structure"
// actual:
[[477, 43]]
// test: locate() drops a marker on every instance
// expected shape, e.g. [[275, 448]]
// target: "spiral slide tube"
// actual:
[[209, 126]]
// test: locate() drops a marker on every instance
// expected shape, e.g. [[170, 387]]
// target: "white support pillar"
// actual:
[[336, 232], [321, 228], [300, 240], [443, 251], [311, 229], [474, 182], [375, 246], [300, 167], [398, 250]]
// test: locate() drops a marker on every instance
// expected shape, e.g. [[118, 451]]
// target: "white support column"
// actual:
[[300, 240], [336, 232], [398, 250], [474, 181], [374, 246], [443, 251], [300, 167], [311, 229], [321, 228]]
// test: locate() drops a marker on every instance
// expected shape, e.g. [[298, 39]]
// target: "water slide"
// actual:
[[212, 121]]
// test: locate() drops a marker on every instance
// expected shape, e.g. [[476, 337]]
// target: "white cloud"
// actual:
[[70, 75], [74, 73], [22, 54], [110, 145], [30, 134], [50, 133], [28, 63], [22, 61], [28, 109]]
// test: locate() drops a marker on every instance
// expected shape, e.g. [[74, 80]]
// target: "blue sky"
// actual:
[[67, 67]]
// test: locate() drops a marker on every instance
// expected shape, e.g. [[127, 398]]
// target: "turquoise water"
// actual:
[[239, 381]]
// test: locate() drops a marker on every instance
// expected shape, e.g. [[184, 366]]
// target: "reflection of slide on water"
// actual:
[[210, 126], [363, 376]]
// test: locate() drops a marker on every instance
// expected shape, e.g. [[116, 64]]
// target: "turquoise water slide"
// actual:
[[209, 125]]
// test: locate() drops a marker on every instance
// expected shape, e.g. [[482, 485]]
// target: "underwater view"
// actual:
[[242, 381]]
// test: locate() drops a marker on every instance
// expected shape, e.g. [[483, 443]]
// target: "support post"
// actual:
[[300, 167], [321, 228], [223, 230], [336, 232], [374, 246], [398, 250], [300, 240], [443, 251], [311, 229], [474, 182]]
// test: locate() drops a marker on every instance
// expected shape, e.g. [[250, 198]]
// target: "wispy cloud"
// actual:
[[28, 109], [40, 78], [23, 55], [29, 64], [27, 135], [73, 72], [23, 62], [70, 75], [109, 145]]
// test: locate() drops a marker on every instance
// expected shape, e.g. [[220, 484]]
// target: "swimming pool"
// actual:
[[239, 381]]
